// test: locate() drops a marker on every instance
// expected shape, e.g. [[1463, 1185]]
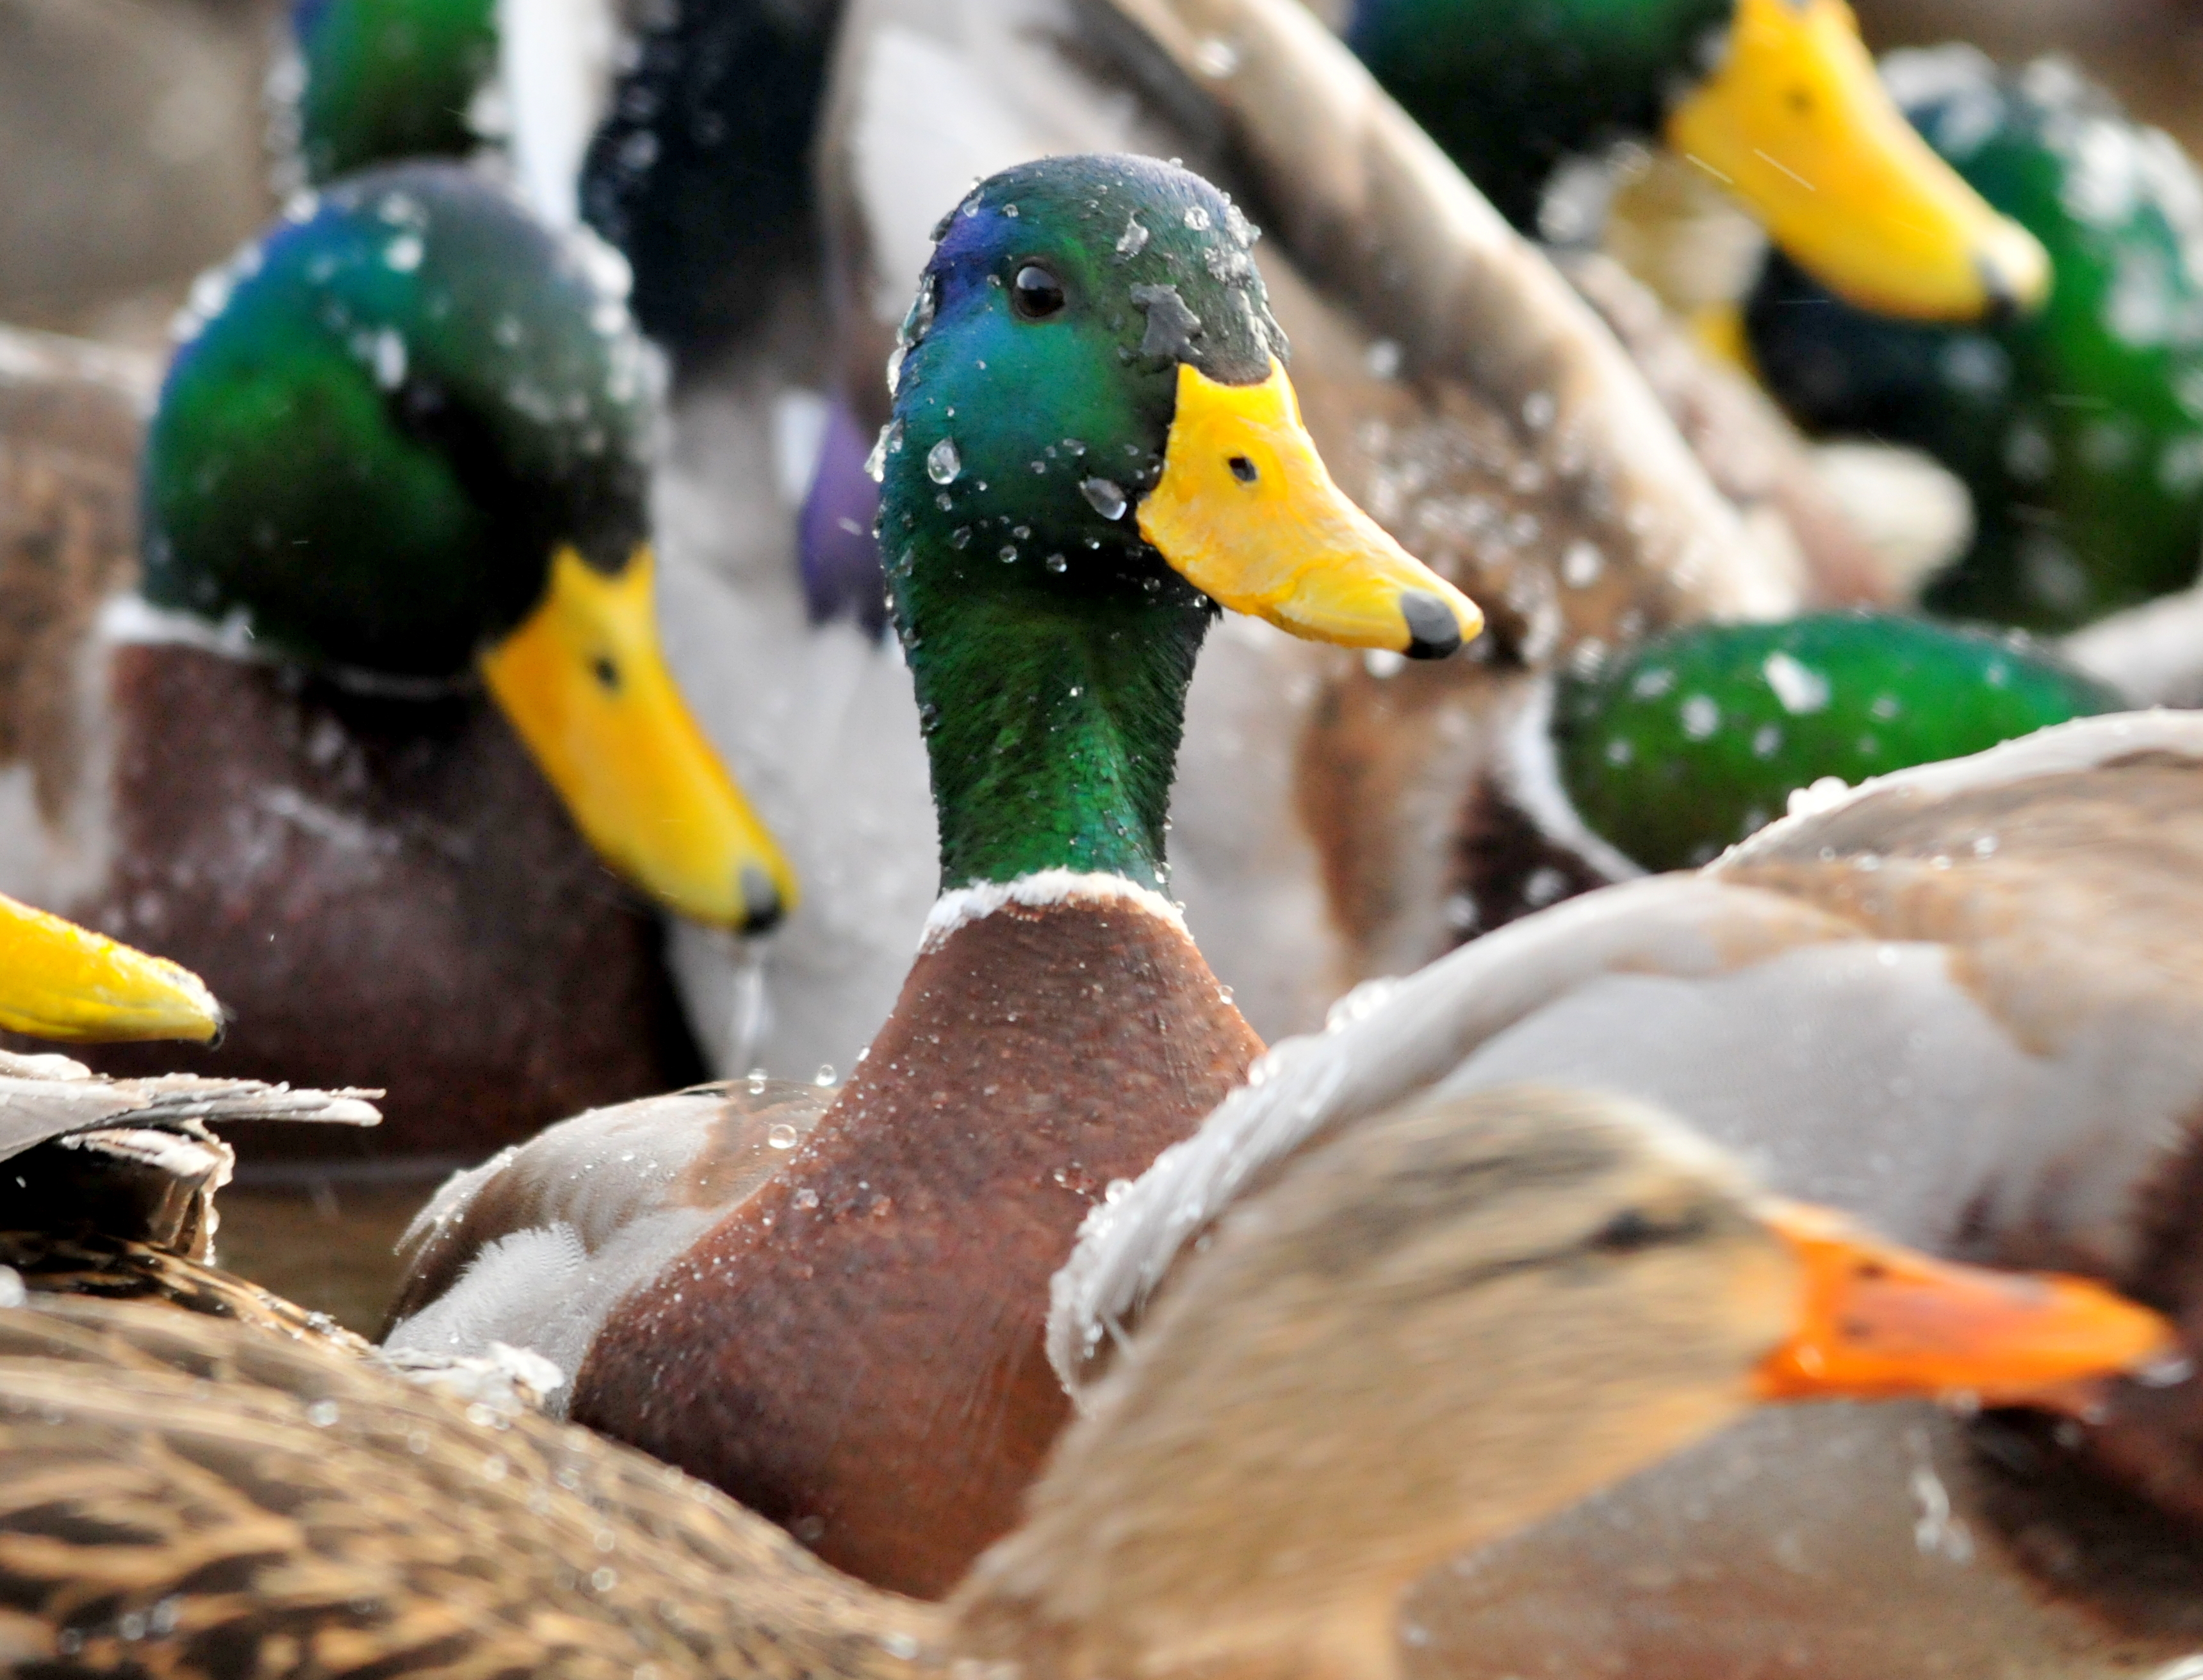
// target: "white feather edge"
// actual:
[[1530, 774], [1390, 1038], [2061, 749], [961, 905]]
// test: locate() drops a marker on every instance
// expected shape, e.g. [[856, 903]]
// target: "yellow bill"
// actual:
[[58, 980], [584, 683], [1796, 123], [1246, 511]]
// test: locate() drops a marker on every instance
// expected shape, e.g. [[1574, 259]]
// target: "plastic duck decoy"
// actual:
[[1456, 1324], [1958, 1002], [1095, 447], [402, 458]]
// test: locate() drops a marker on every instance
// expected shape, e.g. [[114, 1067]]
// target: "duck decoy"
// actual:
[[2077, 430], [1959, 1001], [1094, 447], [400, 459], [1448, 1326], [1776, 100]]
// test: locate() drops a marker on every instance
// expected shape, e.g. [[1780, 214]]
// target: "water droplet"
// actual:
[[321, 1413], [1106, 496], [1196, 218], [782, 1136], [1056, 563], [1011, 211], [943, 462], [1132, 240], [825, 1075], [806, 1198], [1009, 552], [890, 440], [1701, 718], [960, 537]]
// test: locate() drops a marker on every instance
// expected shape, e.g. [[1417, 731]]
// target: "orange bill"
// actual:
[[1881, 1321]]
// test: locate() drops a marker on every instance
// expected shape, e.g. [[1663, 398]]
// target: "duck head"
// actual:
[[1776, 99], [381, 80], [1094, 447], [1446, 1324], [405, 438]]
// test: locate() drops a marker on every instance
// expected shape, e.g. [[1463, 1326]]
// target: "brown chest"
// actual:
[[857, 1352]]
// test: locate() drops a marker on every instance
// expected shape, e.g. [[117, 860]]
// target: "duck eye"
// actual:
[[606, 672], [1036, 292]]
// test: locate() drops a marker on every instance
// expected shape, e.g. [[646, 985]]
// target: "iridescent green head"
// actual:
[[2080, 431], [1776, 99], [386, 417], [383, 80], [405, 434], [1695, 738], [1094, 445]]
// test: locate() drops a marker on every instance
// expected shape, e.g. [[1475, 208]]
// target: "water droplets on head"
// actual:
[[1133, 240], [943, 462], [1197, 219], [1106, 496], [782, 1136], [890, 442], [403, 255]]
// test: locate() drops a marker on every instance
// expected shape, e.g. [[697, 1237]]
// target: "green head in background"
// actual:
[[1690, 741], [2079, 432], [385, 80], [1776, 99], [405, 436]]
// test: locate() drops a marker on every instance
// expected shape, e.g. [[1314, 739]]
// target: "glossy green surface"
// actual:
[[1695, 738], [1051, 646], [2079, 432], [1510, 87], [386, 80], [392, 414]]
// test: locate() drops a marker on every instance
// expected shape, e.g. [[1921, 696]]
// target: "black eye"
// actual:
[[1243, 469], [606, 672], [1036, 293], [1627, 1232]]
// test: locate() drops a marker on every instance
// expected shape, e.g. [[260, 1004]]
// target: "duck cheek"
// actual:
[[1247, 512]]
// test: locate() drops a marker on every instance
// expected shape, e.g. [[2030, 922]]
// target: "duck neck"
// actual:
[[1051, 716]]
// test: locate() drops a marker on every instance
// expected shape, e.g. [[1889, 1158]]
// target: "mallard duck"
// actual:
[[1450, 1326], [2079, 432], [1058, 1027], [1776, 100], [403, 453], [1959, 1001]]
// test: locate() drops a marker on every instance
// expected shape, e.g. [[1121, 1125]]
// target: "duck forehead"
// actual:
[[1157, 253]]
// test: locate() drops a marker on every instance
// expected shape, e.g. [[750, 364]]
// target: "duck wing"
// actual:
[[1964, 1001], [536, 1246]]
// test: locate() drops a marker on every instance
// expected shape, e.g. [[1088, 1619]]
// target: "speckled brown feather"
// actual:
[[181, 1497], [870, 1370], [97, 1266]]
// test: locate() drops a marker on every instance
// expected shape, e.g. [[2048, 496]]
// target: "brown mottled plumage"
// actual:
[[1465, 1315]]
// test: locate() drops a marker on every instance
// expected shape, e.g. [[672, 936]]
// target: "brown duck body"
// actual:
[[855, 1351], [384, 891]]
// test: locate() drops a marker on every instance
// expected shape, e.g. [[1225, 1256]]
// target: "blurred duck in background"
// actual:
[[401, 457], [1775, 100], [2079, 432]]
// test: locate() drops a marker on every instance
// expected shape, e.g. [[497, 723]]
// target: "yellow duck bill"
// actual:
[[1796, 123], [584, 683], [1247, 512], [66, 982]]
